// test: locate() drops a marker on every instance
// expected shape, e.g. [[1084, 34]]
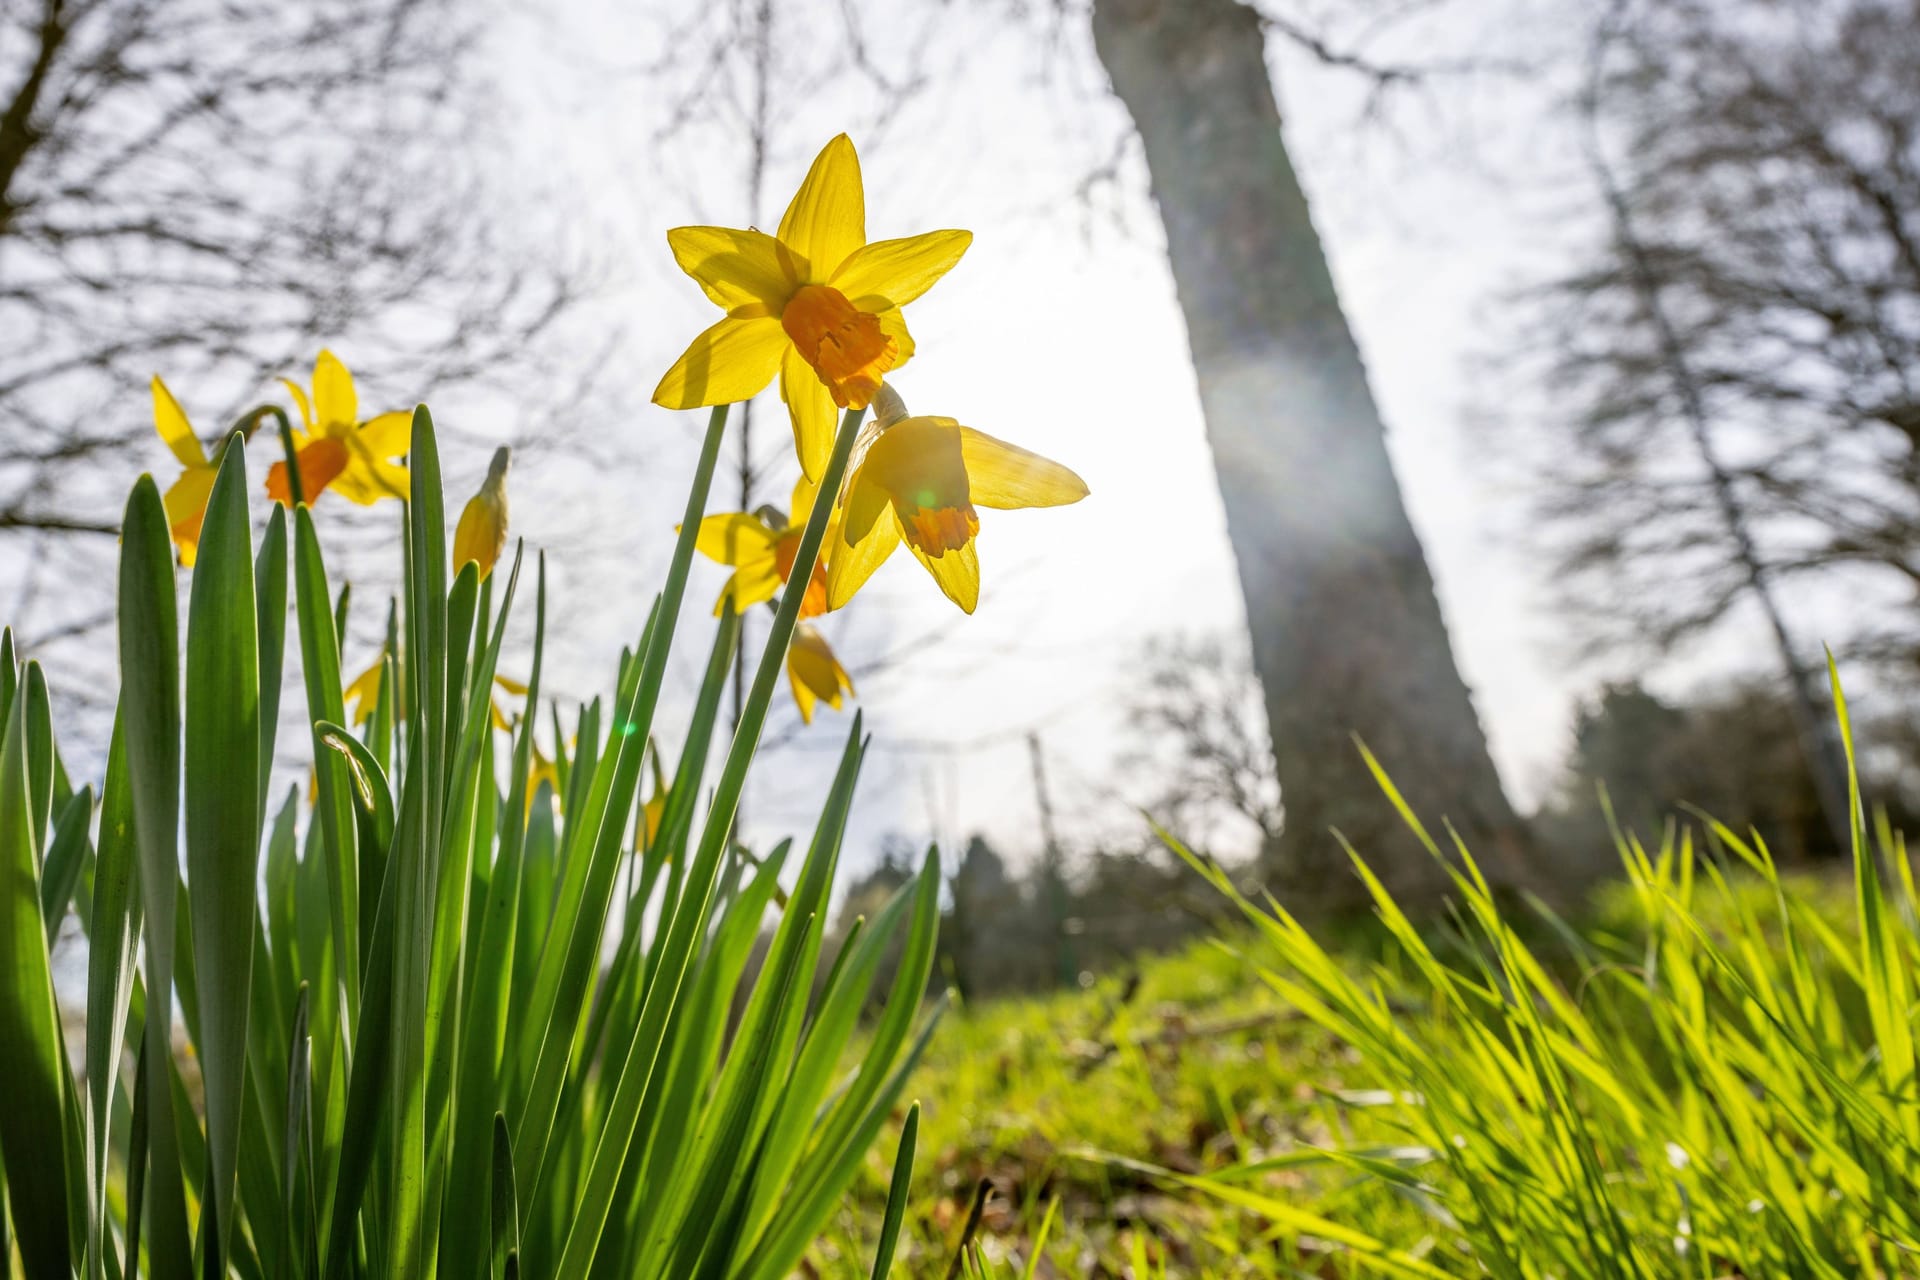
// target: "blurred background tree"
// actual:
[[1732, 368], [213, 189], [1346, 630]]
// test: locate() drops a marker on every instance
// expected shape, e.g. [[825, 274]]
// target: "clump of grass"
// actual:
[[1730, 1093], [415, 1055]]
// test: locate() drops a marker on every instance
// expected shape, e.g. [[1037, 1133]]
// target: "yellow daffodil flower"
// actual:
[[647, 830], [513, 689], [338, 451], [481, 534], [544, 770], [814, 672], [815, 303], [186, 498], [761, 547], [919, 481], [362, 694], [363, 691]]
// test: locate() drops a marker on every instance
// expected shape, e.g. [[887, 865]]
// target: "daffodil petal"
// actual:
[[366, 483], [802, 696], [390, 435], [801, 505], [893, 323], [738, 268], [827, 219], [1006, 477], [481, 533], [735, 538], [170, 420], [957, 572], [751, 584], [892, 273], [335, 403], [187, 496], [733, 360], [815, 672], [299, 394], [852, 563], [810, 406], [867, 498]]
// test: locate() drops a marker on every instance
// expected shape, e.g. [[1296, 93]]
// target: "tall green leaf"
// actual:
[[223, 820], [270, 628], [150, 691], [113, 938], [34, 1083]]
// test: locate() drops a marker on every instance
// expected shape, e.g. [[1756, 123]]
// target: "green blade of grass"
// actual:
[[897, 1192]]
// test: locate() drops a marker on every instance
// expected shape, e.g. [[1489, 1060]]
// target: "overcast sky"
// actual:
[[1058, 331]]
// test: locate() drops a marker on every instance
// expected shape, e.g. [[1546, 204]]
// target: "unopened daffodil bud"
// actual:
[[481, 534]]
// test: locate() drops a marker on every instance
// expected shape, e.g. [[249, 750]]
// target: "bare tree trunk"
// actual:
[[1347, 634]]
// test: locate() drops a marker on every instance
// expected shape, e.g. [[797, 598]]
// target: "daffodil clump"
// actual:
[[469, 1004], [821, 305]]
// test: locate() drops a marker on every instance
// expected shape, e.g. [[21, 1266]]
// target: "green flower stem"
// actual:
[[693, 910]]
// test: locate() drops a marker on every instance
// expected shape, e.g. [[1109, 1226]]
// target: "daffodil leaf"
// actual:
[[504, 1218], [34, 1083], [223, 821], [65, 856], [150, 693], [113, 940], [270, 628], [320, 667]]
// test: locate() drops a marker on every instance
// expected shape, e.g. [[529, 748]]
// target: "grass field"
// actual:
[[1195, 1065]]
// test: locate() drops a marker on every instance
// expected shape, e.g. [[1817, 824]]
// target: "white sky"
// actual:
[[1058, 331]]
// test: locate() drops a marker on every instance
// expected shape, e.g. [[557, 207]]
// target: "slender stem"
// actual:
[[746, 737]]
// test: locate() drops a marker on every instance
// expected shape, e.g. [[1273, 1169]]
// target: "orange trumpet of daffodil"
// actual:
[[186, 498], [481, 534], [761, 547], [338, 451], [920, 481], [814, 672], [815, 303]]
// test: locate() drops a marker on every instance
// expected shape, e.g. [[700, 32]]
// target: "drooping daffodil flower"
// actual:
[[186, 498], [761, 547], [336, 450], [920, 481], [814, 672], [815, 303]]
